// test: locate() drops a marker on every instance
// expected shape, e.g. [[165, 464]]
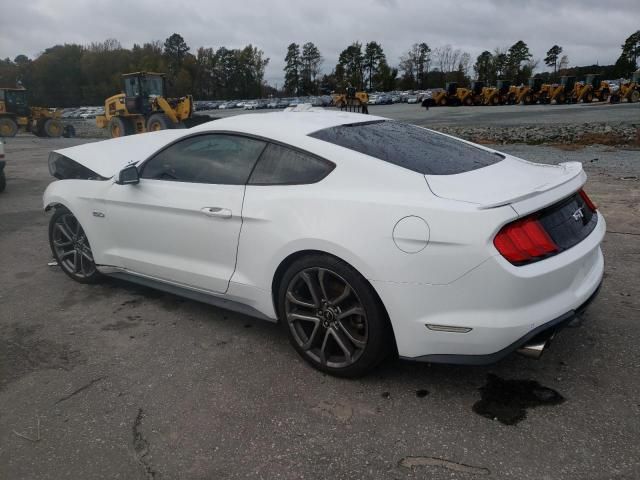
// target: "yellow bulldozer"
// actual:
[[529, 94], [15, 113], [497, 95], [592, 88], [143, 107], [351, 100], [559, 92], [629, 90]]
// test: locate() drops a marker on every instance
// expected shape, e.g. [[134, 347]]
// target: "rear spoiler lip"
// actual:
[[579, 172]]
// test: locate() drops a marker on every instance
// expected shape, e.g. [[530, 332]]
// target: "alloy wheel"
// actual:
[[326, 317], [71, 247]]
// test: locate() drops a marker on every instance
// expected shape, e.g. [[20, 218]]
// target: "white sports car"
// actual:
[[363, 236]]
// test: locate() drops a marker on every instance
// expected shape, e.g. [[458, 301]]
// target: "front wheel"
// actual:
[[8, 127], [332, 316], [158, 121], [70, 247]]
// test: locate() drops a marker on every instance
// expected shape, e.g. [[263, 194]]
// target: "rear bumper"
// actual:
[[494, 308], [547, 329]]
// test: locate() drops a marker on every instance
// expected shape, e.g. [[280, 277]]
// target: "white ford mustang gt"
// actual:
[[362, 235]]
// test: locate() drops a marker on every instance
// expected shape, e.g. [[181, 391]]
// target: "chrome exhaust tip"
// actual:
[[533, 349]]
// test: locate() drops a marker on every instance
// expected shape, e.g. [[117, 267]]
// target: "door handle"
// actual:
[[217, 212]]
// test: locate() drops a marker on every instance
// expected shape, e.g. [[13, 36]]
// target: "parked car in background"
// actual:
[[373, 99], [412, 99], [252, 105]]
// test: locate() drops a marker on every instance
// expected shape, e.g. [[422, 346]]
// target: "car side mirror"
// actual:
[[128, 176]]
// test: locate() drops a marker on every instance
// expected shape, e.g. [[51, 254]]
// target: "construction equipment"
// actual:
[[531, 93], [471, 96], [591, 88], [496, 95], [448, 96], [629, 90], [143, 107], [351, 100], [15, 113], [560, 92]]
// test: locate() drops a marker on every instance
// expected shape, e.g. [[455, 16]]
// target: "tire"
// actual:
[[120, 127], [8, 127], [442, 102], [588, 98], [495, 100], [468, 102], [560, 99], [3, 181], [52, 128], [315, 296], [158, 121], [634, 97], [70, 247]]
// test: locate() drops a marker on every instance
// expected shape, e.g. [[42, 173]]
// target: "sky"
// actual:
[[590, 31]]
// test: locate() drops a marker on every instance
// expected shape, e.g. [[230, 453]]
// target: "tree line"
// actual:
[[72, 74]]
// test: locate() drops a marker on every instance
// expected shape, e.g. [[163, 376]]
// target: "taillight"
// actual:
[[524, 241], [587, 201]]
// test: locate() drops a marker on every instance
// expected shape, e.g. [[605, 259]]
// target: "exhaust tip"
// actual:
[[533, 349]]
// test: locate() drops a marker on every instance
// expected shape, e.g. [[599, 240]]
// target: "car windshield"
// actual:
[[408, 146]]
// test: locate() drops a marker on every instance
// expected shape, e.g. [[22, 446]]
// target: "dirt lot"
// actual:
[[117, 381]]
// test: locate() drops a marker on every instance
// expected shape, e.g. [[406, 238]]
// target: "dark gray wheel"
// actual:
[[52, 128], [70, 247], [158, 121], [332, 316], [120, 127], [8, 127]]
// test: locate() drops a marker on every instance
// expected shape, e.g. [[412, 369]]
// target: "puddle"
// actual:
[[508, 400]]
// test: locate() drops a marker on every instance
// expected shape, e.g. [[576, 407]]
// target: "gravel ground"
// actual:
[[118, 381]]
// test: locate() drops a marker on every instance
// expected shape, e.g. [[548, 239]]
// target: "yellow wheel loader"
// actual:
[[629, 90], [531, 93], [471, 96], [497, 95], [448, 96], [592, 88], [16, 114], [143, 107], [561, 92], [351, 101]]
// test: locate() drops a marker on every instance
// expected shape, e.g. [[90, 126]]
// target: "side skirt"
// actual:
[[184, 291]]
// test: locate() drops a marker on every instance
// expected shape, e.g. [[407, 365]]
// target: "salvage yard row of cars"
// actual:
[[362, 236]]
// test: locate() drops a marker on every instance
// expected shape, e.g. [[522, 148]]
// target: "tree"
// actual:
[[292, 69], [415, 64], [517, 54], [349, 70], [175, 49], [551, 60], [631, 48], [484, 67], [310, 62], [373, 56], [563, 63]]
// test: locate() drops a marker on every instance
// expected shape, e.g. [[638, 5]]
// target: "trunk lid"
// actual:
[[108, 157], [524, 185]]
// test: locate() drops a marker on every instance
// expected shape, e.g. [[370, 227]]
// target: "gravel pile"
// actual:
[[579, 133]]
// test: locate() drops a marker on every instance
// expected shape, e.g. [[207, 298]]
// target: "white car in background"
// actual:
[[362, 235]]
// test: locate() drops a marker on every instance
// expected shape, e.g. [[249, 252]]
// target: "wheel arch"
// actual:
[[292, 257]]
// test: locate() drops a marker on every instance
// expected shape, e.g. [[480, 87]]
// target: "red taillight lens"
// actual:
[[524, 241], [587, 201]]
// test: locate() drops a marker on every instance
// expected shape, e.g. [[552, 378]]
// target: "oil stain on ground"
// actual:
[[508, 400]]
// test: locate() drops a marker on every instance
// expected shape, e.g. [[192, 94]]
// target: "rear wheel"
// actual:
[[561, 99], [158, 121], [634, 97], [120, 127], [332, 316], [442, 102], [70, 247], [468, 102], [52, 127], [588, 98], [8, 127]]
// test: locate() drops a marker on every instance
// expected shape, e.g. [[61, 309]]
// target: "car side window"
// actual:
[[218, 159], [280, 165]]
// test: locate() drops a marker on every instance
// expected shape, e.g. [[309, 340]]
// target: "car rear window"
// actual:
[[409, 146]]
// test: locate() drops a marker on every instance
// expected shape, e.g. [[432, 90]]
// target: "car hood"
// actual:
[[510, 181], [108, 157]]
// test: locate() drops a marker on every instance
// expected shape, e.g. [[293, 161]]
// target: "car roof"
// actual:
[[283, 126]]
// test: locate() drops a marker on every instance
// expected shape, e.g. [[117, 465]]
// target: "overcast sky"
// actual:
[[590, 31]]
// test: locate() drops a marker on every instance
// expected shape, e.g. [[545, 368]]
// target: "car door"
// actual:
[[182, 221]]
